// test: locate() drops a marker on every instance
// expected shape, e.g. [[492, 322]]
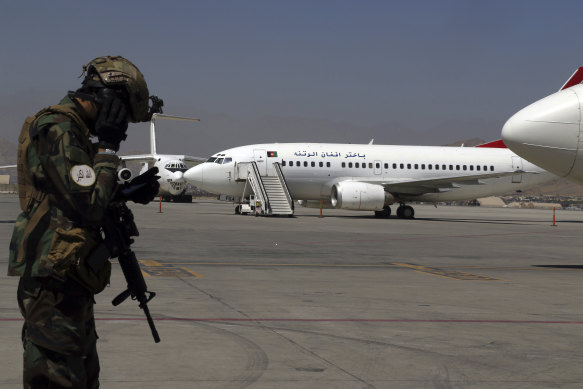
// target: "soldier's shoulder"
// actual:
[[53, 122]]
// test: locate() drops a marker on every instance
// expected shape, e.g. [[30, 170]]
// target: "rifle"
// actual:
[[119, 228]]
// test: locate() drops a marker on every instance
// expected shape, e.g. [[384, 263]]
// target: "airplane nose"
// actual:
[[547, 132], [194, 175], [177, 176]]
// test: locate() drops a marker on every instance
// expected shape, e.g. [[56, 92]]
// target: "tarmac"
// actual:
[[460, 297]]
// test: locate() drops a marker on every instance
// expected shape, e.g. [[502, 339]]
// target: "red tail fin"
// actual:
[[575, 79], [497, 144]]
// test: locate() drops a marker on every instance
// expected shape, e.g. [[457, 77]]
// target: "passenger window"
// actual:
[[305, 163], [491, 168], [349, 164], [282, 163], [457, 167], [356, 164], [465, 167], [436, 167], [408, 166], [422, 166], [363, 165], [327, 164], [321, 164], [313, 164], [378, 165], [478, 167], [370, 165], [416, 166], [443, 167], [472, 167], [298, 163], [386, 165], [343, 164], [485, 168], [394, 166]]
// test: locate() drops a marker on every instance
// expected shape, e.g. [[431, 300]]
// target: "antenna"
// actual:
[[153, 127]]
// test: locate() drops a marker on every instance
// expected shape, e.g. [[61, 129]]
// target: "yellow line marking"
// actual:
[[151, 268], [150, 262], [191, 272], [456, 275]]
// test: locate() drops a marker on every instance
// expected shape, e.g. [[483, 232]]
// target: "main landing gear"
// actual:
[[405, 212], [385, 213]]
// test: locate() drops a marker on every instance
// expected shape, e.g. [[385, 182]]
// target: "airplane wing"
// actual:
[[192, 161], [138, 158], [414, 187], [151, 159]]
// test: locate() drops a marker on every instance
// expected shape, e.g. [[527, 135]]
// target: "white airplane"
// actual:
[[171, 168], [371, 177], [548, 132]]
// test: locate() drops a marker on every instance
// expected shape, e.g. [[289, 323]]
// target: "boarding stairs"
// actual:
[[270, 189]]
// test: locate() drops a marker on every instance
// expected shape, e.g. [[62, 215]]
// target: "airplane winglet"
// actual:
[[497, 144], [575, 79]]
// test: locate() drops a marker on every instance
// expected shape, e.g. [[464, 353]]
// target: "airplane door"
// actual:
[[260, 157], [517, 165], [378, 167]]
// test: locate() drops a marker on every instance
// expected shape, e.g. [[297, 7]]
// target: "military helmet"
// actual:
[[116, 71]]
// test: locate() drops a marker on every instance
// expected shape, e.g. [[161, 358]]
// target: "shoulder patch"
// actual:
[[83, 175]]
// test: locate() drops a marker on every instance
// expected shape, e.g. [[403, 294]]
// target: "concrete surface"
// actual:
[[459, 298]]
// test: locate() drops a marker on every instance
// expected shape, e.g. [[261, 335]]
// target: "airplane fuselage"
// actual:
[[312, 169]]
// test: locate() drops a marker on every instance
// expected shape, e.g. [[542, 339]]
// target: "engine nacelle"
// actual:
[[124, 175], [315, 204], [360, 196]]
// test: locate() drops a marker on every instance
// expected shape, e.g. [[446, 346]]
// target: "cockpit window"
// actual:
[[211, 159], [227, 160], [219, 160]]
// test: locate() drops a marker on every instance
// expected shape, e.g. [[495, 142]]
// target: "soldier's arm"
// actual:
[[83, 187]]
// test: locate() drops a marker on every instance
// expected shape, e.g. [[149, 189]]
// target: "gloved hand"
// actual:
[[112, 120], [141, 189]]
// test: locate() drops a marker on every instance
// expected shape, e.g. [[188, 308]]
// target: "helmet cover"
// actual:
[[115, 72]]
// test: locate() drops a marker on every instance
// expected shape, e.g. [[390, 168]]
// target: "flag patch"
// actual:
[[272, 154]]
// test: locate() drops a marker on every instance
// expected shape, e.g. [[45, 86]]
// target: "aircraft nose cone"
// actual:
[[177, 176], [194, 175], [547, 132]]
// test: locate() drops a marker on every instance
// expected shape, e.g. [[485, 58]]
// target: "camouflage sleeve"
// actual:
[[82, 185]]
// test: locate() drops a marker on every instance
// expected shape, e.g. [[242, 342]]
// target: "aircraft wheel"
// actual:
[[385, 213], [408, 212], [238, 210], [400, 211]]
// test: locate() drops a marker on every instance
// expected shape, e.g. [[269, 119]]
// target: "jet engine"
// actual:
[[360, 196], [124, 175]]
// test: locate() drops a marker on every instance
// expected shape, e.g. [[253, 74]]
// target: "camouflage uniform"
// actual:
[[67, 187]]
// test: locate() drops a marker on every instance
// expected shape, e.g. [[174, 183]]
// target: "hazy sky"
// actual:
[[402, 72]]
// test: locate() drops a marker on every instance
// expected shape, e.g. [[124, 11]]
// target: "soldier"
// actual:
[[65, 184]]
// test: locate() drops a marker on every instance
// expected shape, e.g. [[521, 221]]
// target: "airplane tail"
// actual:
[[153, 127], [576, 78], [496, 144]]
